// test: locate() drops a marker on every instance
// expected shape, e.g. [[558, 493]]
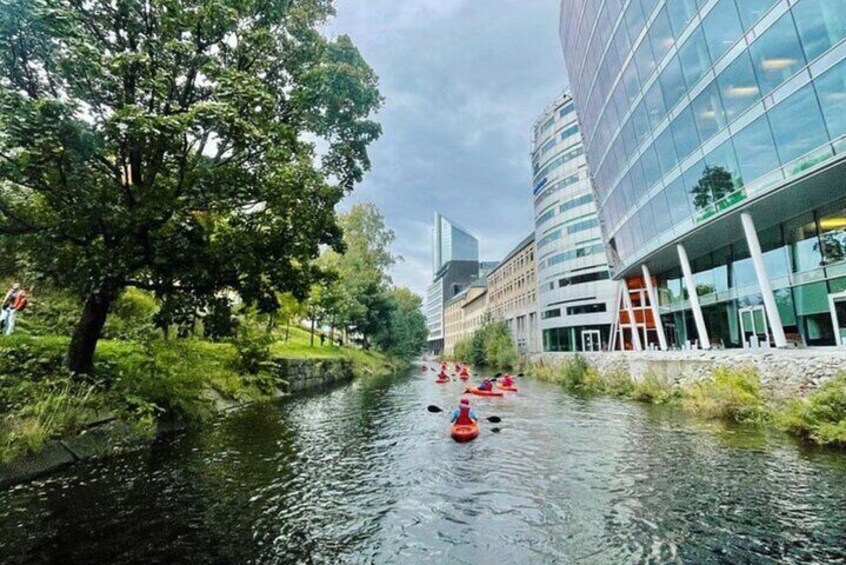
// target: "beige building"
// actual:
[[512, 295], [464, 314]]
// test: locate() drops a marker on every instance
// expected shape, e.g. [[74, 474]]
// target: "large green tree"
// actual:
[[403, 333], [363, 269], [171, 145]]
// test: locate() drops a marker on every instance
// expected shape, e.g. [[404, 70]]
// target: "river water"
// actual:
[[364, 474]]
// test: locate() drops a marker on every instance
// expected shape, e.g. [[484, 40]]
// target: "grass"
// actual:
[[734, 396], [138, 381], [821, 417]]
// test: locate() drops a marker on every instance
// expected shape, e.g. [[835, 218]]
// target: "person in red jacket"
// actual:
[[13, 303]]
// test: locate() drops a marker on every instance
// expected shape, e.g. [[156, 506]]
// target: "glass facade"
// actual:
[[575, 292], [451, 242], [694, 110]]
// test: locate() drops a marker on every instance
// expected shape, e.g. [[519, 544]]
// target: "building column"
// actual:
[[763, 281], [627, 300], [701, 330], [653, 301]]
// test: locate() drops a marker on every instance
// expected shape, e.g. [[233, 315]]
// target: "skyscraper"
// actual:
[[716, 138], [575, 293], [455, 264]]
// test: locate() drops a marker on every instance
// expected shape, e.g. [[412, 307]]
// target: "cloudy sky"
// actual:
[[463, 80]]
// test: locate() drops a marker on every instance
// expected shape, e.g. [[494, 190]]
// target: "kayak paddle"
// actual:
[[436, 409]]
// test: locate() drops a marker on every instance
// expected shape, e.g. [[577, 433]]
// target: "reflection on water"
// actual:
[[363, 474]]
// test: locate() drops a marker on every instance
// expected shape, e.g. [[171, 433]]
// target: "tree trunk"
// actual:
[[87, 332], [311, 342]]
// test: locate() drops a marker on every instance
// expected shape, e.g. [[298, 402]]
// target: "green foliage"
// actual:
[[821, 417], [462, 350], [404, 334], [253, 349], [131, 315], [733, 395], [177, 151], [653, 389]]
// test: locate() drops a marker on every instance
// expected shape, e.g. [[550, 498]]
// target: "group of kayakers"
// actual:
[[464, 419]]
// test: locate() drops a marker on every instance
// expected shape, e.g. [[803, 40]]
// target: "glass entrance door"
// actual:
[[753, 326], [837, 304], [591, 340]]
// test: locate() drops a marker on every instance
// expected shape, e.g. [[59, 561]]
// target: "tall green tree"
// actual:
[[363, 268], [403, 333], [171, 145]]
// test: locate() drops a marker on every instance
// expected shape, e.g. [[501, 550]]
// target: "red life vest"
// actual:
[[464, 415]]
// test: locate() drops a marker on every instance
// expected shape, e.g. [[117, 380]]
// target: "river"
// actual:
[[364, 474]]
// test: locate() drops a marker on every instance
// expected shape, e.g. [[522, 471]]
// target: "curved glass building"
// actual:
[[715, 131], [575, 293]]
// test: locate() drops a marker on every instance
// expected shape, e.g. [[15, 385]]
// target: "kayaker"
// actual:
[[486, 385], [507, 380], [442, 375], [463, 415]]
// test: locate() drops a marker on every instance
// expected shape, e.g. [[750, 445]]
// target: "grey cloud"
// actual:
[[463, 82]]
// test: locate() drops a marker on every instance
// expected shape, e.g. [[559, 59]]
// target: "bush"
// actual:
[[575, 375], [729, 394], [821, 417], [253, 349], [652, 389], [131, 315], [461, 350]]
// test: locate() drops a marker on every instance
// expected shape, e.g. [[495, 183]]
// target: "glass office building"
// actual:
[[451, 242], [575, 293], [455, 264], [715, 131]]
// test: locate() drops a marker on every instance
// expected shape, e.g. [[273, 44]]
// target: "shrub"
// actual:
[[575, 375], [733, 395], [652, 389], [253, 349], [461, 350], [499, 347], [131, 315], [821, 417]]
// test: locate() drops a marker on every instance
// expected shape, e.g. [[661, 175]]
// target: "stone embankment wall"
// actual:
[[109, 434], [785, 372]]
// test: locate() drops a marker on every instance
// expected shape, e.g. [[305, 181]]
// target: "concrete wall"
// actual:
[[788, 372]]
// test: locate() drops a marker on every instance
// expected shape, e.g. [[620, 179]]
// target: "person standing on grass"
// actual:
[[13, 303]]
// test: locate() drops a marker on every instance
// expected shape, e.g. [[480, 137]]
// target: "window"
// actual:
[[680, 13], [661, 35], [576, 202], [545, 216], [572, 130], [660, 213], [581, 279], [722, 28], [672, 82], [798, 125], [582, 226], [586, 309], [566, 110], [821, 23], [738, 86], [547, 239], [554, 313], [752, 10], [831, 89], [756, 152], [694, 57], [777, 54], [684, 133], [665, 147], [708, 113]]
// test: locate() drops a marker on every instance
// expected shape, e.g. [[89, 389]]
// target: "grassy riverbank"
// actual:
[[141, 381], [734, 396]]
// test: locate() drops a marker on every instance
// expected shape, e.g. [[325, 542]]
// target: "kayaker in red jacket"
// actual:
[[507, 380], [463, 415]]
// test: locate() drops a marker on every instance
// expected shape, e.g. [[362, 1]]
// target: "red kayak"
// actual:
[[441, 381], [507, 388], [464, 432], [464, 376], [475, 390]]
